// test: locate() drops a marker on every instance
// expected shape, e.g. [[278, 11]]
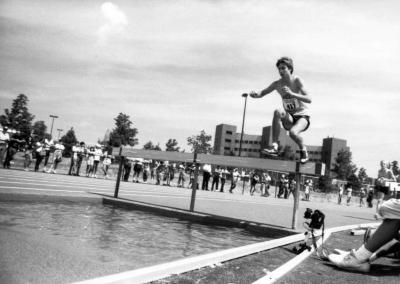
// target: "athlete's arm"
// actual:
[[264, 92], [303, 96]]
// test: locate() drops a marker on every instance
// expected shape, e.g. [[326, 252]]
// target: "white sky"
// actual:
[[178, 67]]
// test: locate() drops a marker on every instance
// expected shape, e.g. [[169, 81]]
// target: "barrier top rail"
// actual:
[[310, 168]]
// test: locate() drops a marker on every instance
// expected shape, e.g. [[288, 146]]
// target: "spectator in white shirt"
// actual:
[[98, 153]]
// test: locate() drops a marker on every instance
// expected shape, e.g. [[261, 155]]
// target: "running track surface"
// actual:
[[270, 211]]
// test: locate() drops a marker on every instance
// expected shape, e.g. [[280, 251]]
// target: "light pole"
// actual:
[[59, 131], [52, 122], [244, 116]]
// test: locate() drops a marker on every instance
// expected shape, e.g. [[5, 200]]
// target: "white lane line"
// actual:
[[53, 185], [55, 180], [288, 266]]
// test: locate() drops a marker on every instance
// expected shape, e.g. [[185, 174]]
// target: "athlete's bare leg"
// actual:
[[295, 131]]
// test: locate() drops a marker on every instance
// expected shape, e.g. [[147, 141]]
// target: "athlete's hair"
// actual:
[[287, 61]]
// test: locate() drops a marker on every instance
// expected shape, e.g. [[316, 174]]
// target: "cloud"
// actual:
[[116, 22]]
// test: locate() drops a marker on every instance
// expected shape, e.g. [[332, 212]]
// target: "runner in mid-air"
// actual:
[[295, 117]]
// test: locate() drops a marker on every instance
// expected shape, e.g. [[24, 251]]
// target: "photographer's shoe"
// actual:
[[348, 261]]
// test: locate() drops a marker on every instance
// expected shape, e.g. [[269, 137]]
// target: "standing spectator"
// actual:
[[224, 173], [235, 178], [362, 196], [74, 158], [90, 161], [48, 145], [165, 173], [254, 179], [171, 172], [4, 139], [153, 169], [137, 168], [106, 163], [215, 181], [340, 193], [98, 153], [385, 176], [27, 156], [39, 153], [81, 153], [57, 157], [206, 176], [265, 183], [191, 176], [13, 145], [349, 192], [146, 171], [307, 190], [370, 197], [292, 187], [181, 178], [127, 169], [284, 186]]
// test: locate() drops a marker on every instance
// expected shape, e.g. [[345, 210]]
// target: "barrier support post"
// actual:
[[121, 163], [296, 195], [195, 180]]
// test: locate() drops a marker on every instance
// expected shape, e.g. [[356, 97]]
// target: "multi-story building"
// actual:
[[227, 142]]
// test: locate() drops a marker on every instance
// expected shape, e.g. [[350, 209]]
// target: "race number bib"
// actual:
[[291, 104]]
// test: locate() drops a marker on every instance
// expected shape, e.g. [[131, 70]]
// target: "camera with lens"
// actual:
[[317, 218]]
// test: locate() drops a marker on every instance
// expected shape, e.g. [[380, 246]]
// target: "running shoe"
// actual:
[[348, 261], [271, 150], [303, 156]]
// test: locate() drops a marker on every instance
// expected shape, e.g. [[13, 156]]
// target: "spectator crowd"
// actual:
[[95, 161]]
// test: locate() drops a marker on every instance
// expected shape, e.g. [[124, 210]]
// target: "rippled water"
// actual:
[[119, 235]]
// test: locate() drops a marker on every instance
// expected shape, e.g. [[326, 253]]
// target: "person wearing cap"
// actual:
[[4, 139], [295, 116]]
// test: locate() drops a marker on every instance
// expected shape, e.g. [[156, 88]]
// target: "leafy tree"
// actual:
[[171, 146], [150, 146], [395, 168], [200, 143], [19, 118], [355, 182], [344, 167], [123, 133], [39, 129], [362, 175], [69, 140]]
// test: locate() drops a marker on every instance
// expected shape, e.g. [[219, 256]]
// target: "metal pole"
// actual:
[[52, 122], [121, 163], [59, 132], [244, 116], [296, 196], [194, 185]]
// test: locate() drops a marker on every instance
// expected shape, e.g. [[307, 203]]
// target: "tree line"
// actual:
[[19, 118]]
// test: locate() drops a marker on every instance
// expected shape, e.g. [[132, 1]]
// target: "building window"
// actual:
[[236, 141], [250, 142], [228, 140], [236, 149], [227, 148], [229, 132], [246, 142]]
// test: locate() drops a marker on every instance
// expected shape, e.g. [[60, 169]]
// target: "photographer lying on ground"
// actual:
[[359, 260]]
